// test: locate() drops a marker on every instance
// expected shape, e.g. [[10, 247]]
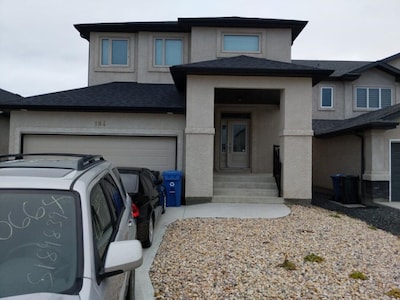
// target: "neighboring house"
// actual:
[[356, 114], [209, 95], [6, 96]]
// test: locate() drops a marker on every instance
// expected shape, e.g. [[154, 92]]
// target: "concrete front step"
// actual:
[[244, 185], [245, 188], [232, 191], [243, 178], [248, 199]]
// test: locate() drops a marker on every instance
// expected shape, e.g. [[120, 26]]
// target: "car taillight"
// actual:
[[135, 210]]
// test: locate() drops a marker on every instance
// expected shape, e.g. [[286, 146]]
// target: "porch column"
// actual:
[[376, 174], [199, 140], [296, 139]]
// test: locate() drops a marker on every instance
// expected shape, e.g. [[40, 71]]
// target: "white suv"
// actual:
[[66, 229]]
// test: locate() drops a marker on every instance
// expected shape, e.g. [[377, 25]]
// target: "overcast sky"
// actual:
[[41, 52]]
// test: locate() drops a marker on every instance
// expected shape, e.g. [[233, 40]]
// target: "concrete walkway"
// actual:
[[394, 204], [144, 289]]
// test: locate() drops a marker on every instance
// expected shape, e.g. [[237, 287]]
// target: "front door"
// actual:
[[235, 152]]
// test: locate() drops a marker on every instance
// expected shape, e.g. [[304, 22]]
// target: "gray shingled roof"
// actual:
[[350, 70], [243, 65], [385, 118], [5, 95], [116, 96], [186, 24], [340, 68]]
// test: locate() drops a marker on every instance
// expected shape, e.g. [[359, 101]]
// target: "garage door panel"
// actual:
[[158, 153]]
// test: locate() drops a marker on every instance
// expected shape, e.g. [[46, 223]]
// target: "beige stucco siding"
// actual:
[[343, 155], [337, 111], [294, 131], [296, 138], [344, 106], [81, 123], [141, 66], [395, 63], [206, 43], [338, 155], [98, 74]]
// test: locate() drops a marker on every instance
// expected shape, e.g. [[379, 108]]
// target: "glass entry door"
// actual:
[[235, 143]]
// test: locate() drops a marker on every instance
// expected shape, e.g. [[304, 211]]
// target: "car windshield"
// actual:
[[131, 182], [38, 242]]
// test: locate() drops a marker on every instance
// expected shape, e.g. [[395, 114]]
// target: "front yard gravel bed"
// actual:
[[219, 258], [379, 216]]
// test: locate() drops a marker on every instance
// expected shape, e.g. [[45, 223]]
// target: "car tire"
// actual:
[[131, 286], [145, 233]]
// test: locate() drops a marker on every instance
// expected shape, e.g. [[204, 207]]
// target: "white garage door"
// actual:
[[156, 153]]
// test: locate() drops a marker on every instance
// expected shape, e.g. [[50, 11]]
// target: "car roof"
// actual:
[[47, 171]]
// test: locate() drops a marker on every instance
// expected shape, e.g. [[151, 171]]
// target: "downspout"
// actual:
[[362, 165]]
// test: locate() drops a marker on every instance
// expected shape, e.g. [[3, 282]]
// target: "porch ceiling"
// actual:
[[246, 96]]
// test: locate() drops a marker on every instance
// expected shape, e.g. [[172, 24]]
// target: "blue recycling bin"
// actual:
[[173, 187], [337, 182]]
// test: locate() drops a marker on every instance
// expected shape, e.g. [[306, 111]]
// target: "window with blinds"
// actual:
[[373, 98]]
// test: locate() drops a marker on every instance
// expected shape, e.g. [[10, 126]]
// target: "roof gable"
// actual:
[[245, 66]]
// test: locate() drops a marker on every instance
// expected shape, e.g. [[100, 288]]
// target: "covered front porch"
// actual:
[[240, 138], [235, 116]]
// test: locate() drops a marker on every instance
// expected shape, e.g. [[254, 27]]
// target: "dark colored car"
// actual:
[[144, 187]]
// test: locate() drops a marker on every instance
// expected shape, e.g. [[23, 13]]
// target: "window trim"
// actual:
[[321, 106], [110, 52], [222, 49], [368, 88], [164, 38], [242, 31], [96, 51]]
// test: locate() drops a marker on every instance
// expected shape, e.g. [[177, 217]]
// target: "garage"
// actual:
[[153, 152]]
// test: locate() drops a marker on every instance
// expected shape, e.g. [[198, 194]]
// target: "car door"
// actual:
[[151, 191], [111, 221]]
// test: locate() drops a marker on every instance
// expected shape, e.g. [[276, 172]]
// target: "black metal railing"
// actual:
[[277, 169]]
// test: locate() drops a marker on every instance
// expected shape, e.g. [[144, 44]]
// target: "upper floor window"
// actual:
[[373, 98], [114, 52], [326, 97], [241, 43], [168, 52]]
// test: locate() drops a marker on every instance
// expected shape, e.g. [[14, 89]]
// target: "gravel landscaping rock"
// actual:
[[217, 258], [379, 216]]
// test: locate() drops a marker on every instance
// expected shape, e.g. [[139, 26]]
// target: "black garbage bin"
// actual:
[[337, 186], [349, 191]]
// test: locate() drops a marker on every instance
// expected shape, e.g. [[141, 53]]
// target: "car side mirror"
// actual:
[[123, 256]]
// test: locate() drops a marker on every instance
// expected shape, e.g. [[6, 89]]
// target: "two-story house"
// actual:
[[355, 122], [215, 95]]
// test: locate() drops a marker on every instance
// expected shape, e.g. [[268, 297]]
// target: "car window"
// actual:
[[147, 182], [131, 182], [39, 242], [115, 195], [102, 222], [118, 176]]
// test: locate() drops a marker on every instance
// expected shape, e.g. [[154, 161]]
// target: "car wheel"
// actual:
[[145, 233], [131, 287]]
